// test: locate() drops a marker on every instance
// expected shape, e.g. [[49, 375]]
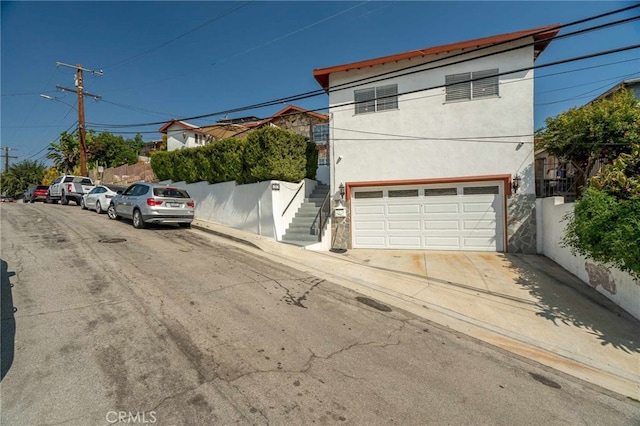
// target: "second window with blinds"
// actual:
[[472, 85], [376, 99]]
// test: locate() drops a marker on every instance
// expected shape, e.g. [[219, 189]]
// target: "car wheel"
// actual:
[[111, 212], [24, 199], [84, 207], [98, 207], [63, 199], [32, 200], [138, 222]]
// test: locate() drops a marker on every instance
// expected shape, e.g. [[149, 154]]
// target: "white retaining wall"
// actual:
[[617, 285], [256, 207]]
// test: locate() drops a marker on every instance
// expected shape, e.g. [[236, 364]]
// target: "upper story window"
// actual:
[[376, 99], [321, 133], [472, 85]]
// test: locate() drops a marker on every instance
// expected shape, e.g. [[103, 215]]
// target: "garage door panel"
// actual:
[[477, 207], [480, 244], [404, 225], [441, 225], [370, 241], [369, 209], [408, 242], [441, 243], [393, 209], [373, 225], [479, 224], [441, 208]]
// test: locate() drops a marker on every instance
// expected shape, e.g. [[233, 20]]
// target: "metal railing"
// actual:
[[320, 221], [293, 198]]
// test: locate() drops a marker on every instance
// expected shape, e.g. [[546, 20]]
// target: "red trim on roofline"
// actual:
[[541, 34]]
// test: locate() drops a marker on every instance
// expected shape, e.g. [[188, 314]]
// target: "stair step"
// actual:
[[300, 237]]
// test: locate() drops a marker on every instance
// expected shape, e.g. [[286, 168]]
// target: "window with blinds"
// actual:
[[472, 85], [376, 99]]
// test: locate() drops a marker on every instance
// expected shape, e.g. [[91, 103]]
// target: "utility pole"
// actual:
[[81, 125], [6, 157]]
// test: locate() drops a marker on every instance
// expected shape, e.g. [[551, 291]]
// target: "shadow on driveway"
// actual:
[[8, 331], [564, 298]]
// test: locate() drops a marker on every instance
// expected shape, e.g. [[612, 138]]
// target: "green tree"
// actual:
[[109, 150], [602, 129], [20, 176], [65, 153], [621, 178]]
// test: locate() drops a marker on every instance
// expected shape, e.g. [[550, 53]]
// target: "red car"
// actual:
[[35, 193]]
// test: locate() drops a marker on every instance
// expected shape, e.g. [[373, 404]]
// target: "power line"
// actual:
[[348, 104], [355, 83], [160, 46]]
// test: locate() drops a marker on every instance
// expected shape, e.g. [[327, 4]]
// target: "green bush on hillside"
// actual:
[[270, 153]]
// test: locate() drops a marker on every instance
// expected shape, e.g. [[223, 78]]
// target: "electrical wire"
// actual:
[[166, 43], [351, 84]]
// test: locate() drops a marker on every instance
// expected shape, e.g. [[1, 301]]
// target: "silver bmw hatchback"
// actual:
[[145, 203]]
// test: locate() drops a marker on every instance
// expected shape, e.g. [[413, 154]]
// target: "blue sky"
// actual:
[[165, 59]]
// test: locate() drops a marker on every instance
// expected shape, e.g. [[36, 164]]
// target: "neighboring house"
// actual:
[[150, 147], [428, 143], [557, 178], [631, 84], [181, 134]]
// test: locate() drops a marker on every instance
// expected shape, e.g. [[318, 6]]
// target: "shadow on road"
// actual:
[[564, 298], [8, 331]]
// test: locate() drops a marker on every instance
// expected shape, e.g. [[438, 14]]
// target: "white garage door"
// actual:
[[465, 216]]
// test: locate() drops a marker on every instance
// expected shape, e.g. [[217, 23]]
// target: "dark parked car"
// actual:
[[35, 193], [153, 203]]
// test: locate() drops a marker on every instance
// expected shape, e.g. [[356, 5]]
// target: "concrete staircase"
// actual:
[[299, 231]]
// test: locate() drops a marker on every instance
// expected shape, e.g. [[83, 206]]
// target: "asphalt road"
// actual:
[[105, 324]]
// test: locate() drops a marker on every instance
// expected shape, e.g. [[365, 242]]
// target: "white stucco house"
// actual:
[[429, 143], [181, 134]]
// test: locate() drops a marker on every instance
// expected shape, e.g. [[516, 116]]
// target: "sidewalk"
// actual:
[[525, 304]]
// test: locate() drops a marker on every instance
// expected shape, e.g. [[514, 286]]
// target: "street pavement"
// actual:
[[525, 304]]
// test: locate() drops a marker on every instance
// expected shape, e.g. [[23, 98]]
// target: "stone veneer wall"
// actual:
[[298, 123], [340, 228], [521, 223]]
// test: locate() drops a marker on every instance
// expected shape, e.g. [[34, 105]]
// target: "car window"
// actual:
[[68, 179], [58, 180], [129, 190], [137, 190], [170, 192], [86, 181], [94, 191]]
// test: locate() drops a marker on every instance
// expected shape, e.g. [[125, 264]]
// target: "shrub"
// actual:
[[274, 154], [606, 229]]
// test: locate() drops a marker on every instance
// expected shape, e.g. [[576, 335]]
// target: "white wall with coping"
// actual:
[[255, 207], [620, 287], [369, 150]]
